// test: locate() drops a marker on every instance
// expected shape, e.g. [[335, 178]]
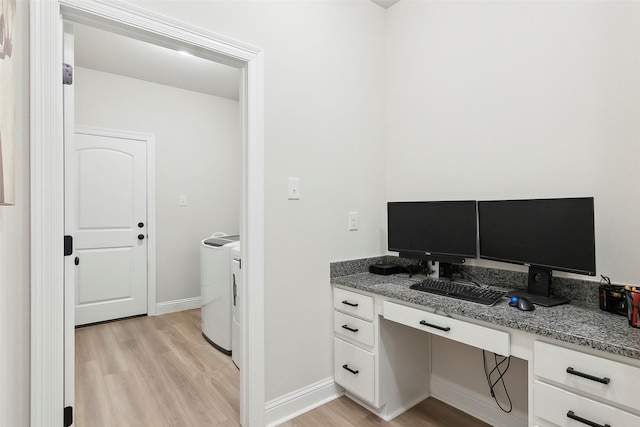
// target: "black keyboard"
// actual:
[[461, 291]]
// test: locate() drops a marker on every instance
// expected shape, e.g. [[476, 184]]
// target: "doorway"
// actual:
[[47, 177]]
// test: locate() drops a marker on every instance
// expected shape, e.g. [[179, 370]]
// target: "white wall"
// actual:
[[14, 251], [198, 154], [324, 123], [492, 100], [483, 100]]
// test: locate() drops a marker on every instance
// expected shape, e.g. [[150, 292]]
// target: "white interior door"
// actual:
[[110, 232]]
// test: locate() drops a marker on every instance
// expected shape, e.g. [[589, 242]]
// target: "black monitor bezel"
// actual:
[[454, 258], [534, 264]]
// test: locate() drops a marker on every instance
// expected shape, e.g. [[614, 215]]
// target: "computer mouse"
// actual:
[[525, 305]]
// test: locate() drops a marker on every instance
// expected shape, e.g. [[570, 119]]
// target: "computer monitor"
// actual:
[[444, 231], [545, 234]]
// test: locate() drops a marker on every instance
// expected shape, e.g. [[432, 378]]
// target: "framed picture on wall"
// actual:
[[7, 102]]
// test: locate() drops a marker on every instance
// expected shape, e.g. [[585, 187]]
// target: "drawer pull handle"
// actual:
[[355, 372], [572, 371], [442, 328], [350, 303], [573, 416], [349, 329]]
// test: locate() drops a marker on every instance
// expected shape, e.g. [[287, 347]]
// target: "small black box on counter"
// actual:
[[612, 299], [383, 269]]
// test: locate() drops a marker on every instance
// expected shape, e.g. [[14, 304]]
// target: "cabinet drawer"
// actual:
[[357, 329], [359, 377], [553, 404], [551, 362], [353, 303], [457, 330]]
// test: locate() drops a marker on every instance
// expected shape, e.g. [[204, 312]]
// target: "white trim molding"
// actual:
[[477, 405], [47, 195], [178, 305], [293, 404], [47, 215]]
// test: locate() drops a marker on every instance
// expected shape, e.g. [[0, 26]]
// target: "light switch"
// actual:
[[294, 188], [183, 200]]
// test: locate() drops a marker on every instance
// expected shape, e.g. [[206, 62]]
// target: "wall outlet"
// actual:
[[353, 221]]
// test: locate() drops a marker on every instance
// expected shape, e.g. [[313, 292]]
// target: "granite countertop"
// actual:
[[576, 322]]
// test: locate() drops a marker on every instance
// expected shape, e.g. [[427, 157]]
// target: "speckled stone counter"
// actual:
[[578, 322]]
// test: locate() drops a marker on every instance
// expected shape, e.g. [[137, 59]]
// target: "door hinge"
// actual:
[[68, 245], [67, 74], [68, 416]]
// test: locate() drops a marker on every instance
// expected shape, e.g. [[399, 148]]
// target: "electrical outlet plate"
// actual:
[[294, 188], [353, 221]]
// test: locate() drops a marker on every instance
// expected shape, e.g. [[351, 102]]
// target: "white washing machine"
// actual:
[[217, 289], [236, 307]]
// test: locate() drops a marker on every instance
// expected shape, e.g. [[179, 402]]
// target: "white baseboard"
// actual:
[[382, 411], [297, 403], [178, 305], [480, 406]]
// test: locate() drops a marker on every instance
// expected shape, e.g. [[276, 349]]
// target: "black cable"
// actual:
[[413, 269], [500, 378], [470, 277]]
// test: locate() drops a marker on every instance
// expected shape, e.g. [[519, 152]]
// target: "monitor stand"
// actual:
[[545, 301], [539, 288]]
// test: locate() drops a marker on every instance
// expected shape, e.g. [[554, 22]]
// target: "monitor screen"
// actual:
[[444, 231], [557, 234]]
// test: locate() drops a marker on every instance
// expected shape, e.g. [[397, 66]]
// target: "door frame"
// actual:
[[47, 187], [150, 150]]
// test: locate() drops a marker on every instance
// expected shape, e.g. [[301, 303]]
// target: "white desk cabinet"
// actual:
[[448, 327], [383, 352], [381, 365], [576, 388]]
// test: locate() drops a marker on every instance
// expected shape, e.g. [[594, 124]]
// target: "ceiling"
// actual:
[[385, 3], [112, 53]]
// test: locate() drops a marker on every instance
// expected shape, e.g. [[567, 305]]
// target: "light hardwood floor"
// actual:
[[160, 372]]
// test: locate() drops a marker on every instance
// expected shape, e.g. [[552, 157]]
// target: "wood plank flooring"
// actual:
[[343, 412], [160, 372], [153, 371]]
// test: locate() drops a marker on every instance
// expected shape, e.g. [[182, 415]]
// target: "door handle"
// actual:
[[573, 416], [76, 261], [140, 236], [235, 290], [140, 224], [349, 328], [353, 371], [431, 325], [572, 371]]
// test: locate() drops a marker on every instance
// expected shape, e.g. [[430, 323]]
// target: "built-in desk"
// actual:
[[576, 337]]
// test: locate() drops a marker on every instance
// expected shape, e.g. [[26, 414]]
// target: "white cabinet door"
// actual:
[[597, 376], [562, 408], [353, 303], [448, 327], [358, 330], [354, 369]]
